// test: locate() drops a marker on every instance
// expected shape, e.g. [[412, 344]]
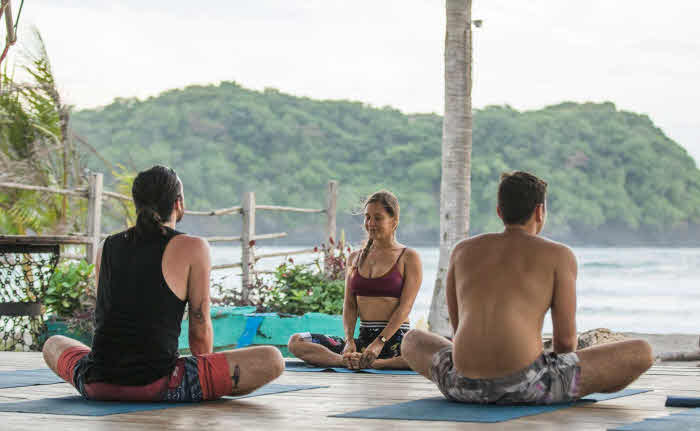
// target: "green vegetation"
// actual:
[[69, 284], [296, 288], [613, 175], [34, 149]]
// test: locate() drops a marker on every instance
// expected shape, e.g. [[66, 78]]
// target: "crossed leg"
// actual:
[[320, 355], [604, 368], [54, 348], [249, 368], [418, 348], [253, 367], [612, 367], [313, 353]]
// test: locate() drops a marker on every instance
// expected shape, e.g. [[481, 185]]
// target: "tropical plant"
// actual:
[[297, 289], [455, 184], [69, 284], [35, 150]]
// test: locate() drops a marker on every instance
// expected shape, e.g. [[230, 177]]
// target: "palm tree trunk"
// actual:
[[455, 185]]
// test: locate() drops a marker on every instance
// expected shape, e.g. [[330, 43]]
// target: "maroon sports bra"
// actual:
[[389, 284]]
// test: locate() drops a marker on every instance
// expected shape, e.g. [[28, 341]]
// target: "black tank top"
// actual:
[[137, 316]]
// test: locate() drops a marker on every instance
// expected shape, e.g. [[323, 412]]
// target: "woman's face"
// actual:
[[379, 224]]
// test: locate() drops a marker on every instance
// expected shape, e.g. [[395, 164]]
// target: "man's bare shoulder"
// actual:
[[476, 240], [472, 242], [556, 251], [554, 246], [191, 244]]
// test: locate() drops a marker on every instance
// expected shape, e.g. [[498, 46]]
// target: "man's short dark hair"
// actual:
[[518, 195]]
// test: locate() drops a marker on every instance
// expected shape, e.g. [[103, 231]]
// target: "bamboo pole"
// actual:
[[248, 243], [107, 194], [11, 36], [679, 356], [222, 238], [238, 238], [286, 253], [267, 255], [79, 193], [289, 209], [223, 211], [226, 266], [331, 208], [94, 214], [37, 239]]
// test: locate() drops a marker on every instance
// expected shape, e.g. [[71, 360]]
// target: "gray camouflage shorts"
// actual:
[[552, 378]]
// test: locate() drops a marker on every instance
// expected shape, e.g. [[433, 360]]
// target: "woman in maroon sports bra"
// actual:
[[381, 284]]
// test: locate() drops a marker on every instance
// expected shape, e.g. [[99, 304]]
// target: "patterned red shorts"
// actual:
[[194, 379]]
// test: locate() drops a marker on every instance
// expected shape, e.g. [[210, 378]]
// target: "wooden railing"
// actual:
[[248, 238]]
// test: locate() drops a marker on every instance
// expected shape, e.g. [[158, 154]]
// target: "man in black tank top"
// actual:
[[146, 276]]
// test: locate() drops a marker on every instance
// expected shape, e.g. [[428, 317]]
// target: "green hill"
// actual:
[[613, 175]]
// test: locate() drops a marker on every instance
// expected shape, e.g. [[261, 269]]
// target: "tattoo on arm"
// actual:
[[236, 376], [196, 313]]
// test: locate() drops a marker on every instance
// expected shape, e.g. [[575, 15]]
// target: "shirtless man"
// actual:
[[146, 276], [499, 288]]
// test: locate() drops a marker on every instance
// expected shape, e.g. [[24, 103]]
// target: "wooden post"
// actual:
[[331, 208], [247, 243], [95, 183]]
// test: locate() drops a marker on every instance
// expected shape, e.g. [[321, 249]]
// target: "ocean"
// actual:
[[648, 290]]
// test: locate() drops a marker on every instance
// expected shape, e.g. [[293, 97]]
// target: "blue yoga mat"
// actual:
[[20, 378], [686, 421], [79, 406], [275, 389], [302, 367], [440, 409], [252, 323], [674, 401]]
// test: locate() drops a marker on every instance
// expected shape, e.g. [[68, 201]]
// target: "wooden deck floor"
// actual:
[[309, 409]]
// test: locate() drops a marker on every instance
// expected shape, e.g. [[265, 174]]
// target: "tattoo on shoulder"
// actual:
[[196, 313]]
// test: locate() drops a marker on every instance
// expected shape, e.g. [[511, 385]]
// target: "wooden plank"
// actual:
[[309, 410]]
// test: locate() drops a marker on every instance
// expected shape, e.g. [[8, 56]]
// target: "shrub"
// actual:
[[70, 282], [297, 288]]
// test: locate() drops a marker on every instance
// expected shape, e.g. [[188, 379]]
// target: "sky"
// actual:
[[643, 56]]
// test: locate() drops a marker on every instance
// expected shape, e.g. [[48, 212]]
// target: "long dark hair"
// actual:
[[391, 206], [155, 192]]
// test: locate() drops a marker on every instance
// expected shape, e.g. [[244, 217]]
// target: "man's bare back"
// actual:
[[499, 288], [504, 283]]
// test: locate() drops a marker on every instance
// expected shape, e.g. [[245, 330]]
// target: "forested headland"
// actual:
[[614, 177]]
